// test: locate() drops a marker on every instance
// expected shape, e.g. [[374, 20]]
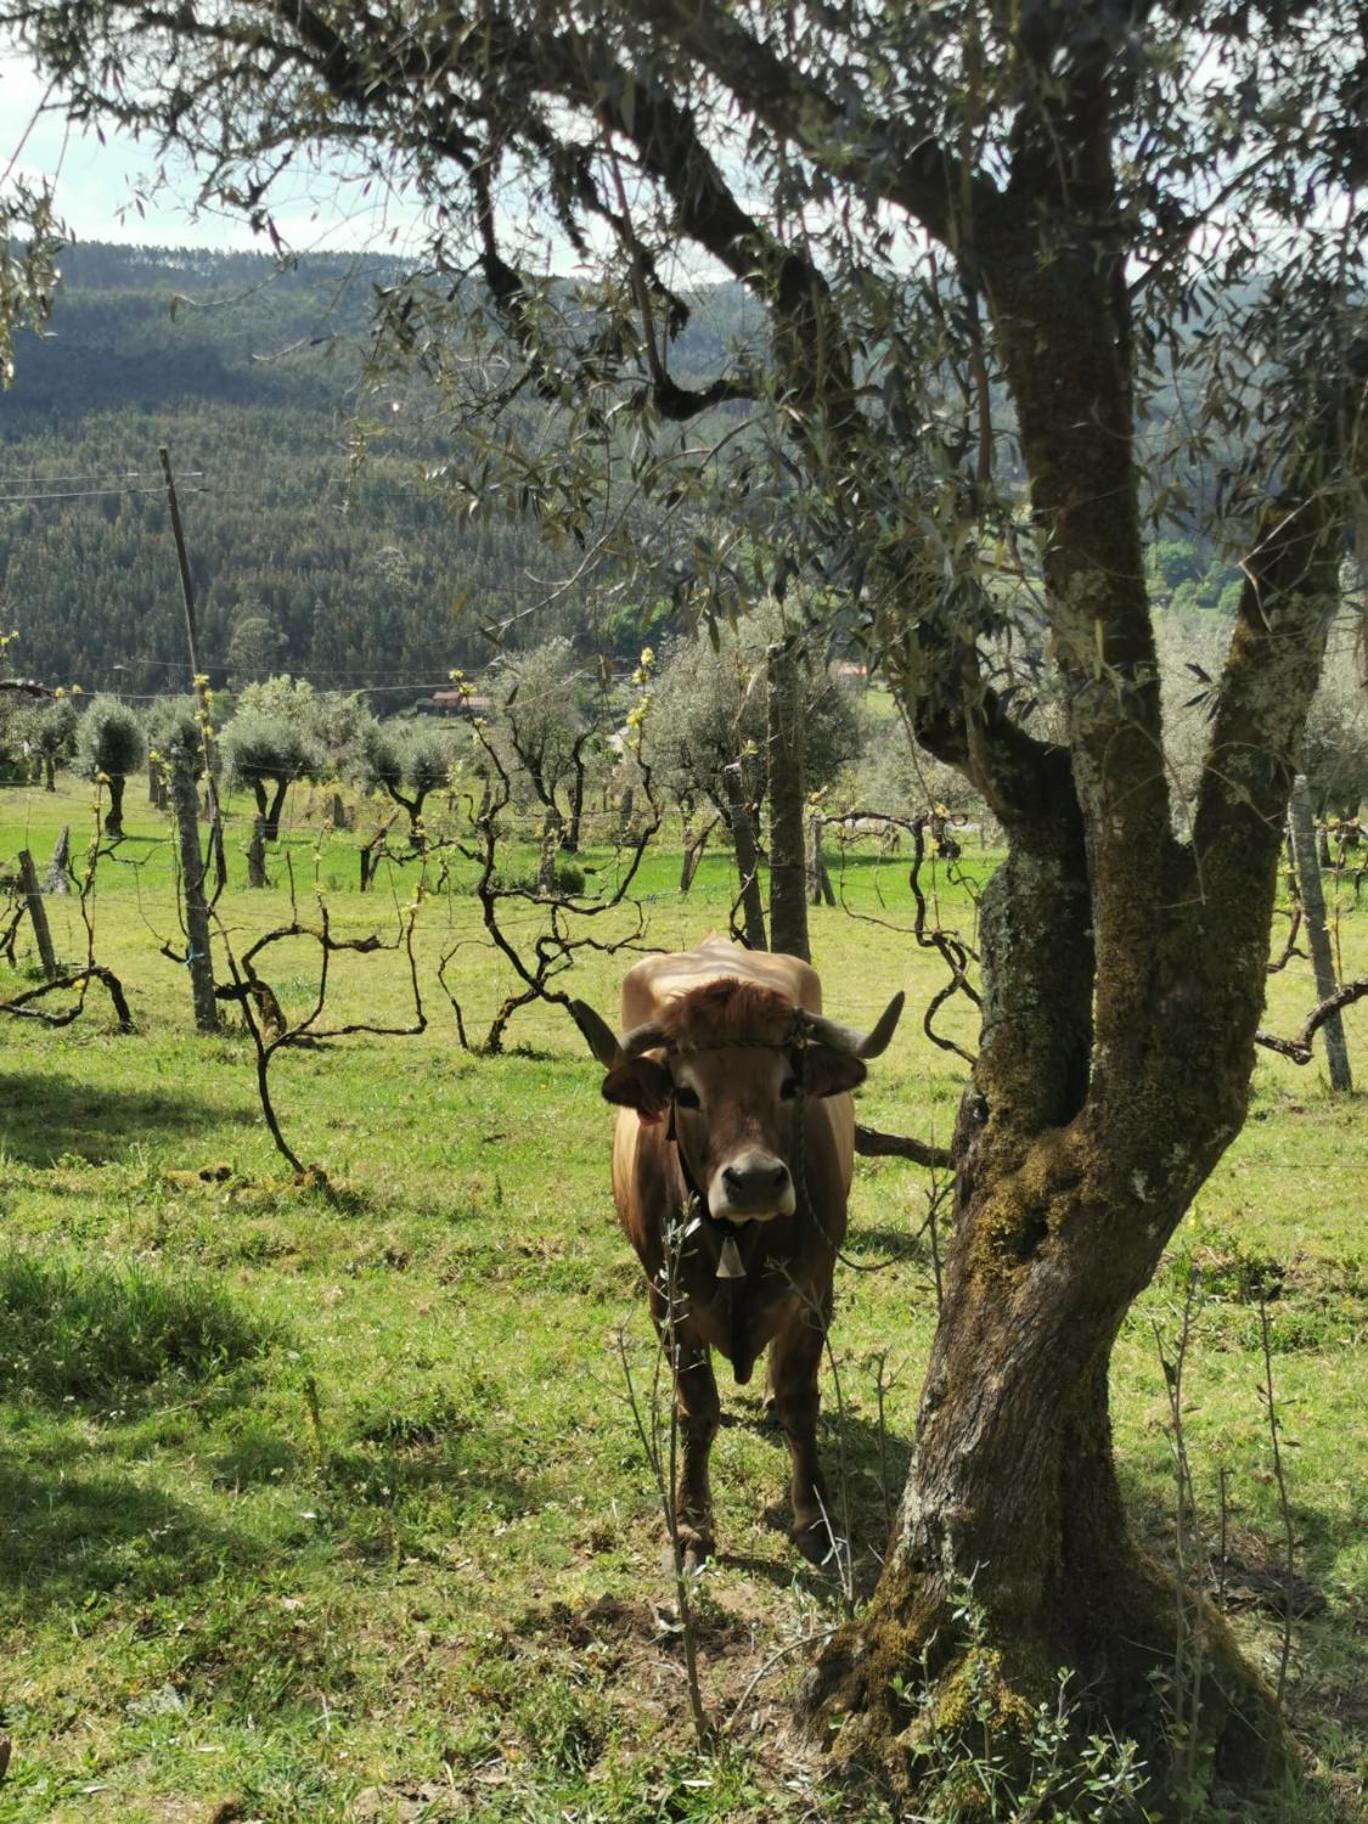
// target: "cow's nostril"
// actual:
[[779, 1177], [732, 1178]]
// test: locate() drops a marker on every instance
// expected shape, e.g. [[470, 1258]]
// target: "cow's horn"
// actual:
[[598, 1034], [860, 1045], [642, 1038]]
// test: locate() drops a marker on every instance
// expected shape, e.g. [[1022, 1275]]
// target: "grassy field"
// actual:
[[317, 1509]]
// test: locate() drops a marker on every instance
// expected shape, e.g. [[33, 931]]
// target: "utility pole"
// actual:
[[199, 683]]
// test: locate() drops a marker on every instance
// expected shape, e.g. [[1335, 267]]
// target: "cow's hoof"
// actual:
[[814, 1541], [695, 1549]]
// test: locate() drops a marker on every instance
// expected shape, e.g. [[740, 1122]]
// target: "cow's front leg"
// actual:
[[698, 1410], [794, 1358]]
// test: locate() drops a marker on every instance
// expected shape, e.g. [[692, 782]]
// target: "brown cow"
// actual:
[[736, 1131]]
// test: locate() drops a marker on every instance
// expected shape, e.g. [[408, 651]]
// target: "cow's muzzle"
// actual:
[[753, 1188]]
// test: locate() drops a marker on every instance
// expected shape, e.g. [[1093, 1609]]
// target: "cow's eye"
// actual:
[[686, 1097], [788, 1089]]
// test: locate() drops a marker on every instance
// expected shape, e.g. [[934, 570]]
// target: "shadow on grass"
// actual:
[[72, 1331], [1322, 1538], [869, 1242], [46, 1116], [69, 1532], [865, 1470]]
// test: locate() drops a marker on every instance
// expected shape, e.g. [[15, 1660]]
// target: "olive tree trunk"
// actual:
[[113, 823], [276, 808], [747, 858], [788, 874], [1123, 978]]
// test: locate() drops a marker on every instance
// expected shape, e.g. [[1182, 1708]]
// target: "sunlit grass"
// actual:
[[332, 1506]]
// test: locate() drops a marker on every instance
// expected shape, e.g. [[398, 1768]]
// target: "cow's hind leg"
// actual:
[[795, 1355], [698, 1409]]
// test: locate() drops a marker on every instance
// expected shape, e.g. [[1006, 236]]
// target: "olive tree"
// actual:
[[51, 735], [709, 708], [269, 753], [110, 744], [712, 730], [177, 723], [979, 242], [1335, 751], [408, 760], [542, 725]]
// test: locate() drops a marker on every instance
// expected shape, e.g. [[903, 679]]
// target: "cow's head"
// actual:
[[733, 1063]]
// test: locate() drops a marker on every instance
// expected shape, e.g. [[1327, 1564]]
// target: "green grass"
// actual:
[[333, 1508]]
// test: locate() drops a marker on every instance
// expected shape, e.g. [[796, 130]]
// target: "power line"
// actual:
[[101, 475], [87, 494]]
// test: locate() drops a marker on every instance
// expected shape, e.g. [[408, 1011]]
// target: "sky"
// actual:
[[95, 188]]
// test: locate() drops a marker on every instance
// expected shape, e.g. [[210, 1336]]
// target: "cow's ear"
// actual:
[[827, 1071], [639, 1083]]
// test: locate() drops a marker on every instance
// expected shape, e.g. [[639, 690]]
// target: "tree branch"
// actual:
[[1299, 1048]]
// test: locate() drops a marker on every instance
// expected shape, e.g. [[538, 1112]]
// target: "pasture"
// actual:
[[325, 1507]]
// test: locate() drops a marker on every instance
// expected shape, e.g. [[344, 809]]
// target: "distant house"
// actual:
[[452, 703]]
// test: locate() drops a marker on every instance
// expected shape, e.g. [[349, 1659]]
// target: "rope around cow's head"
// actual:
[[805, 1029]]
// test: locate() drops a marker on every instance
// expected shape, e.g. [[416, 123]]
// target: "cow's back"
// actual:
[[656, 980]]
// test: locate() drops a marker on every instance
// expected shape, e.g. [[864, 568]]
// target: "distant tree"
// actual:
[[278, 695], [175, 722], [110, 745], [541, 725], [1335, 748], [331, 720], [13, 759], [335, 720], [51, 733], [406, 760], [708, 710], [269, 753], [893, 774], [255, 647]]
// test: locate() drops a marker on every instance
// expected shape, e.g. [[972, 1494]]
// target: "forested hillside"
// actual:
[[252, 376], [350, 575]]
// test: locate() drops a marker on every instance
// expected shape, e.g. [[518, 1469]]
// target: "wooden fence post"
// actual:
[[1302, 828], [185, 802], [256, 854], [55, 880], [819, 885], [37, 911]]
